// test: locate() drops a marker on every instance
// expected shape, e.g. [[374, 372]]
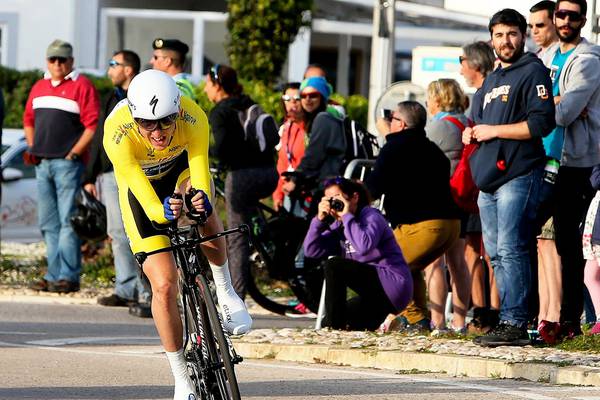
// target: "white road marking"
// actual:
[[22, 333], [88, 340]]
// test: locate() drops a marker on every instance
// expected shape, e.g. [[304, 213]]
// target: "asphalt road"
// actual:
[[50, 351]]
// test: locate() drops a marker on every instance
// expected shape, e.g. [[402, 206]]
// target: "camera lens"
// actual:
[[336, 204]]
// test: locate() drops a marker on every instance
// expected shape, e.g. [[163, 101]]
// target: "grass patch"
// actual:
[[588, 343], [97, 268]]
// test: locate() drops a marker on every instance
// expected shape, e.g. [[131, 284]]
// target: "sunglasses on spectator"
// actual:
[[114, 64], [312, 95], [151, 125], [461, 59], [539, 25], [573, 15], [61, 60], [287, 98], [214, 73]]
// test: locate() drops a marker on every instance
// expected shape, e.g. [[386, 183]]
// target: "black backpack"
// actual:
[[260, 129], [359, 143]]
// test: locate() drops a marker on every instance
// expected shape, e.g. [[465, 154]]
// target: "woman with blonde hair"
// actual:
[[446, 103]]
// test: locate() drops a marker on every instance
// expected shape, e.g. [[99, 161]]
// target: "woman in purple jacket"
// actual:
[[363, 256]]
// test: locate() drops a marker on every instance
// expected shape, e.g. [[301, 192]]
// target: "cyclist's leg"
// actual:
[[236, 318], [162, 274]]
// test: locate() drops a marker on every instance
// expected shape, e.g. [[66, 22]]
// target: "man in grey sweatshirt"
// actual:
[[578, 113]]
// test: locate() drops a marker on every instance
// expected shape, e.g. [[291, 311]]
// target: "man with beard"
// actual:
[[576, 62], [516, 112]]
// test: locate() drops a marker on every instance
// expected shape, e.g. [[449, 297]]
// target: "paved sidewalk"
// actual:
[[394, 351]]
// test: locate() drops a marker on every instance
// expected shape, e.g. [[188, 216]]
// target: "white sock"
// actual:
[[233, 310], [183, 384]]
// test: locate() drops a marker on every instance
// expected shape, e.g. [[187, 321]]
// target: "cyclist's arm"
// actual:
[[197, 138], [120, 151]]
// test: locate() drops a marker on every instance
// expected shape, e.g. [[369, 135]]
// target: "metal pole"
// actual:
[[382, 53]]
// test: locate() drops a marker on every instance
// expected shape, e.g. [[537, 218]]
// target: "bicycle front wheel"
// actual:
[[224, 354]]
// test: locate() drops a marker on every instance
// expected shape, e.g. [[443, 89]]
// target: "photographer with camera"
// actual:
[[363, 256]]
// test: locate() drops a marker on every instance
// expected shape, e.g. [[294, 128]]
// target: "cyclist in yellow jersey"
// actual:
[[158, 144]]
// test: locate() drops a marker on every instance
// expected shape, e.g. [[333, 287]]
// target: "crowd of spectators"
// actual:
[[519, 262]]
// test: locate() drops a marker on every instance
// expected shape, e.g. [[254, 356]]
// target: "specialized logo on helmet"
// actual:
[[153, 103]]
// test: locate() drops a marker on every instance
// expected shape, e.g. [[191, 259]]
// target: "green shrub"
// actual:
[[260, 32]]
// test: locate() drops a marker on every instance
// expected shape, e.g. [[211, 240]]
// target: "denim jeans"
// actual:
[[58, 181], [128, 284], [507, 217]]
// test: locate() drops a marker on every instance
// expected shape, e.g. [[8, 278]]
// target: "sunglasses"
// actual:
[[539, 25], [287, 98], [461, 59], [312, 95], [573, 15], [114, 64], [61, 60], [151, 125], [214, 73]]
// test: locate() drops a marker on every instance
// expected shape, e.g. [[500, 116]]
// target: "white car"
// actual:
[[18, 209]]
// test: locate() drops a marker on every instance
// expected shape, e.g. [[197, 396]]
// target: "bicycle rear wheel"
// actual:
[[226, 387], [277, 285]]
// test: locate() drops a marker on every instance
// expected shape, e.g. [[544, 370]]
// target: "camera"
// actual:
[[336, 204], [386, 114]]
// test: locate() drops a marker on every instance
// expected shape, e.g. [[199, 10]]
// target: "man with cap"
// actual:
[[60, 119], [169, 56]]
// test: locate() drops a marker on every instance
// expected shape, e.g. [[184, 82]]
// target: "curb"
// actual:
[[453, 365]]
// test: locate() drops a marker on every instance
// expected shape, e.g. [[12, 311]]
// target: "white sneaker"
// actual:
[[236, 318]]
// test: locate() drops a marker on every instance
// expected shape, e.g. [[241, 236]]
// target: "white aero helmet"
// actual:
[[153, 95]]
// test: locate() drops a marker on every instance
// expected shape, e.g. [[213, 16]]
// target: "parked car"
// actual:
[[18, 206]]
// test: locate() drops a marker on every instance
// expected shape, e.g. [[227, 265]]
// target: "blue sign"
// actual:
[[431, 64]]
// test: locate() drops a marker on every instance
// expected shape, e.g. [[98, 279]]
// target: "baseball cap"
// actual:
[[170, 44], [59, 48]]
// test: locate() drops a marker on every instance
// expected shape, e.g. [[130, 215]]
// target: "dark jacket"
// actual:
[[595, 181], [324, 154], [413, 173], [99, 162], [520, 92], [230, 146]]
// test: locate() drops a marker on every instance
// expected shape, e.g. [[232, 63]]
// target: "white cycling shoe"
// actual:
[[236, 318], [185, 391]]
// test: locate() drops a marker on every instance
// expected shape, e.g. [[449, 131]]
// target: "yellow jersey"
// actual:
[[136, 163]]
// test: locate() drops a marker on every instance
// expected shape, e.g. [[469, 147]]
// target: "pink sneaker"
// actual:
[[595, 329]]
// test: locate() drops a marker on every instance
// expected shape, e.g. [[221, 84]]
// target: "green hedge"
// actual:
[[16, 86]]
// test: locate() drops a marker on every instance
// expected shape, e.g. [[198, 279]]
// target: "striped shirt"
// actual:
[[59, 114]]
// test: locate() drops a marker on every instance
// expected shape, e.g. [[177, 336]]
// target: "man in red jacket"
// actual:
[[59, 121]]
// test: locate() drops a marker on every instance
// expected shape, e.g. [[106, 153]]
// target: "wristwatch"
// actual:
[[74, 156]]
